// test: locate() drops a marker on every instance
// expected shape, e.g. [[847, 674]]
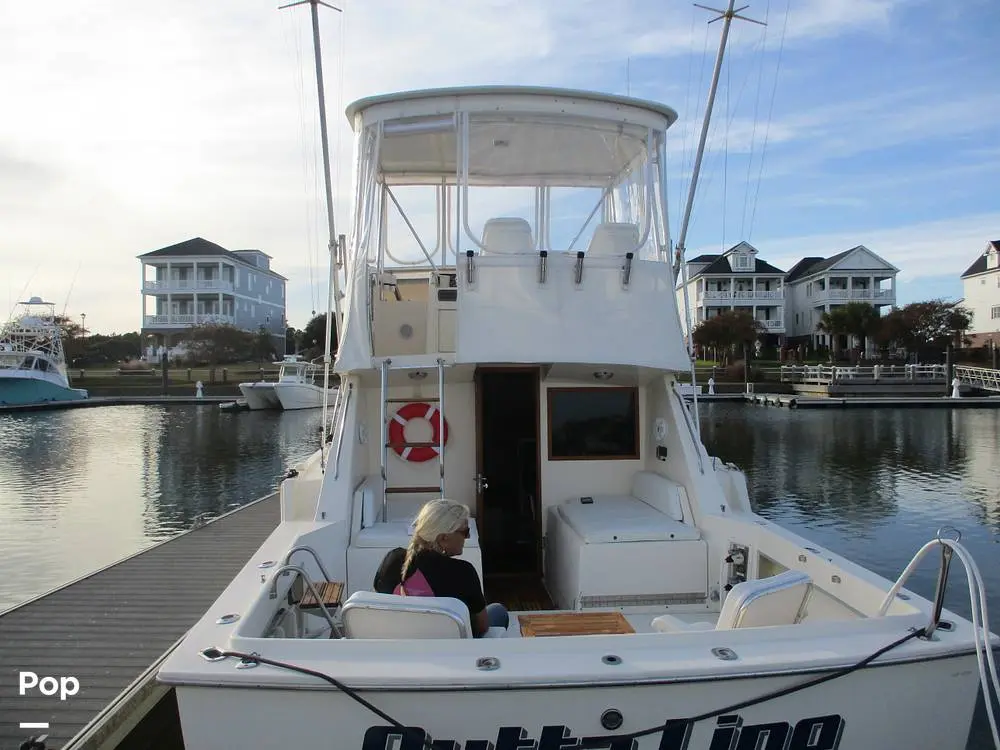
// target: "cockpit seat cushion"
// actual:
[[604, 519], [662, 493], [613, 239], [371, 615], [762, 602], [507, 234]]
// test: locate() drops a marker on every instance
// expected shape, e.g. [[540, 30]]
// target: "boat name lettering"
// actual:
[[731, 733]]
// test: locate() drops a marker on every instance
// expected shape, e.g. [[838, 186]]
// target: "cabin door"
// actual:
[[507, 479]]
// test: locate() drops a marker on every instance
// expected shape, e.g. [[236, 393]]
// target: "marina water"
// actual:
[[82, 488]]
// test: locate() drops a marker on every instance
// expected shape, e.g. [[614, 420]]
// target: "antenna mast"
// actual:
[[333, 290], [680, 270]]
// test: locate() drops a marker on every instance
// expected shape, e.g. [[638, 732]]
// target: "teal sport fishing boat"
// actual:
[[32, 363]]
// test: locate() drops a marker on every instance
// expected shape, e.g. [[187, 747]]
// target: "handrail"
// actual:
[[413, 231], [440, 446], [311, 551], [383, 430], [343, 422], [319, 600], [687, 422], [983, 377]]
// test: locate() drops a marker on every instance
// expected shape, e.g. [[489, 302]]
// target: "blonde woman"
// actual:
[[430, 565]]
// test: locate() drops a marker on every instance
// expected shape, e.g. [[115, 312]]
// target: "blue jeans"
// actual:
[[496, 615]]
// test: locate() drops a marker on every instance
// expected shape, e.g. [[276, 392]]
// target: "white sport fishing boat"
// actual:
[[300, 386], [651, 607], [295, 388]]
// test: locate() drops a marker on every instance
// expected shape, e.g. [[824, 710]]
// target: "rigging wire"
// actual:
[[725, 149], [756, 113], [713, 158], [311, 218], [24, 290], [687, 165], [72, 283], [687, 105], [770, 111]]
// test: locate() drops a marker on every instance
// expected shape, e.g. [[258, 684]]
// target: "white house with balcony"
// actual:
[[196, 282], [736, 280], [981, 288], [817, 285]]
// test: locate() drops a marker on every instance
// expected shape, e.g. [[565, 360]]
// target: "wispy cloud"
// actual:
[[130, 126]]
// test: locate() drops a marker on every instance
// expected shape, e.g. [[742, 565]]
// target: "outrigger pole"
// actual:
[[333, 287], [680, 269]]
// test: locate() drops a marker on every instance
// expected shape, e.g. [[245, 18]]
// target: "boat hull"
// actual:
[[260, 395], [917, 704], [20, 391], [299, 395]]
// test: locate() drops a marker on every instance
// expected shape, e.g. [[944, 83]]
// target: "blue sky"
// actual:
[[131, 126]]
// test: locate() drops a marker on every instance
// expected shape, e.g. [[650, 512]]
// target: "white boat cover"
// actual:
[[622, 518]]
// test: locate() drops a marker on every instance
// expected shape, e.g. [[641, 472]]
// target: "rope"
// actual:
[[214, 653]]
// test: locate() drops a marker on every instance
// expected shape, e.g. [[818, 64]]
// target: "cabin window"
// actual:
[[593, 423]]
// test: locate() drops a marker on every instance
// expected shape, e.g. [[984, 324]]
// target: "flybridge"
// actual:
[[549, 215]]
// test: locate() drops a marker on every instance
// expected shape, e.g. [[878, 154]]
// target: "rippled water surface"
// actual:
[[873, 485], [82, 488]]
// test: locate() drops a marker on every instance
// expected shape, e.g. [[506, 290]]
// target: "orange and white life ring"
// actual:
[[397, 427]]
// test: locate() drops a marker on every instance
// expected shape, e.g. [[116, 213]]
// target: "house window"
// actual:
[[995, 312], [741, 262], [593, 423]]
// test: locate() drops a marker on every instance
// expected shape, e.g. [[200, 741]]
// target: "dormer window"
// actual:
[[742, 262], [991, 258]]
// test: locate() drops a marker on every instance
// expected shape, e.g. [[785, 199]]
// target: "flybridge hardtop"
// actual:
[[575, 282], [449, 97]]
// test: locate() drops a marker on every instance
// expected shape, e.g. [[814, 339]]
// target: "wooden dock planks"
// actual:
[[106, 629]]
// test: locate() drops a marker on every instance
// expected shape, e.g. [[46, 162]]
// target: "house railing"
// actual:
[[186, 320], [982, 377], [188, 285]]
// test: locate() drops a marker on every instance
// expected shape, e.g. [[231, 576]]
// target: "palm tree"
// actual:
[[835, 323]]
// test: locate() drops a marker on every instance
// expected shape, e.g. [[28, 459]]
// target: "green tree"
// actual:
[[834, 322], [263, 345], [313, 339], [727, 332], [292, 339], [858, 319], [925, 327], [217, 344]]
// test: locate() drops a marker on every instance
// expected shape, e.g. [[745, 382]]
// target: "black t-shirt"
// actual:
[[448, 576]]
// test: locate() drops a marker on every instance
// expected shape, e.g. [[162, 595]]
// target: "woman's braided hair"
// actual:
[[435, 518]]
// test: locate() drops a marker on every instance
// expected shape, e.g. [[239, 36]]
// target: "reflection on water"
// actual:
[[872, 485], [875, 486], [82, 488]]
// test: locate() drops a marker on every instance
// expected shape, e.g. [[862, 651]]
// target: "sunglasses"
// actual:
[[464, 531]]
